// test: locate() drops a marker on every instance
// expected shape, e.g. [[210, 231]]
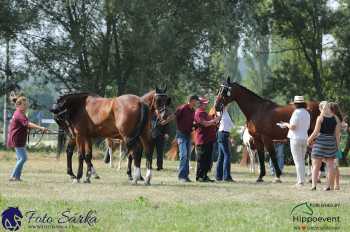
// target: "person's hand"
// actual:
[[309, 141], [166, 136], [44, 129], [217, 120]]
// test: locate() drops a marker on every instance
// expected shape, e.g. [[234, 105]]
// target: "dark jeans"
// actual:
[[159, 145], [184, 142], [204, 157], [223, 165]]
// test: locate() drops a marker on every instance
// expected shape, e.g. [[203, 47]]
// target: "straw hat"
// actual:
[[299, 99]]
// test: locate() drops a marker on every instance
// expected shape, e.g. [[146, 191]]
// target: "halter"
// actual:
[[163, 108], [223, 87]]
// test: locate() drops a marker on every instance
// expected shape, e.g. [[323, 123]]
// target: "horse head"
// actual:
[[225, 95], [162, 102]]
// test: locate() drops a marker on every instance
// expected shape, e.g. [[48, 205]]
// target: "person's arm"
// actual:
[[338, 131], [316, 130], [210, 122], [292, 122], [35, 126]]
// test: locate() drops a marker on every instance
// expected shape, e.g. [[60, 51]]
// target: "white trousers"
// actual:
[[298, 149]]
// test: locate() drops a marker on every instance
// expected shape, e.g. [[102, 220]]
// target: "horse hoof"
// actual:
[[75, 181], [259, 180], [130, 178], [277, 180], [97, 177], [87, 181]]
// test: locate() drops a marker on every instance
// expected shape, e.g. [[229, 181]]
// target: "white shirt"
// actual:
[[226, 123], [301, 119]]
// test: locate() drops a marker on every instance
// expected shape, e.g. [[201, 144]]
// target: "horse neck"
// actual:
[[248, 102], [148, 98]]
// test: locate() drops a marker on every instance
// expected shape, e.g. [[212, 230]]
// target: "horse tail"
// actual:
[[131, 141], [174, 148], [61, 141]]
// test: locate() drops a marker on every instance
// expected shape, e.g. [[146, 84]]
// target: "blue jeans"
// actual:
[[223, 165], [184, 143], [280, 158], [21, 159]]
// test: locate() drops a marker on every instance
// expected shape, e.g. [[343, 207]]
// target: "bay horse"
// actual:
[[150, 99], [262, 115], [157, 99], [85, 116]]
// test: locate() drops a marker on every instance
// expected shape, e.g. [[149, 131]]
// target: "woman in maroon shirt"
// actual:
[[17, 134]]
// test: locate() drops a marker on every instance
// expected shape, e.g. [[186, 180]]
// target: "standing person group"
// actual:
[[205, 135], [325, 140]]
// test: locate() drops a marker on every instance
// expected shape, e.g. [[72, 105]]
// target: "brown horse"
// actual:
[[157, 100], [85, 116], [150, 99], [262, 116]]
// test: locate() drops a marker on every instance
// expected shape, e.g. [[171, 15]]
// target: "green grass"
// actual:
[[167, 205]]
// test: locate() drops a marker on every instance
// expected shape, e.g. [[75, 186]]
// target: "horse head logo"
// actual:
[[11, 219], [303, 208]]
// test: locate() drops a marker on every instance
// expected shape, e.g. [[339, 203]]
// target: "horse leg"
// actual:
[[94, 173], [81, 152], [261, 155], [88, 158], [148, 146], [128, 172], [121, 157], [137, 163], [70, 151]]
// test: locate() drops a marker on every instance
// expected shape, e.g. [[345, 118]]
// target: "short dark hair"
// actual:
[[193, 97], [300, 105]]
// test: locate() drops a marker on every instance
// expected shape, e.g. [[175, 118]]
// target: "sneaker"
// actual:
[[184, 180], [230, 180]]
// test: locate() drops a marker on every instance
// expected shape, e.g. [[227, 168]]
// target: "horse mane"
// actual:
[[148, 94], [256, 95], [77, 95]]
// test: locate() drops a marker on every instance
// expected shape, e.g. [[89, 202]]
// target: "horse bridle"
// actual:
[[223, 88], [163, 108], [221, 94]]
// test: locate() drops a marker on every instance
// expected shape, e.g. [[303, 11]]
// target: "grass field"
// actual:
[[167, 205]]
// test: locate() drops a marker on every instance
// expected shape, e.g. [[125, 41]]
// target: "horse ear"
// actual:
[[228, 80]]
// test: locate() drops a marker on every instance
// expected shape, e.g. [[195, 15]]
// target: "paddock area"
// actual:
[[166, 205]]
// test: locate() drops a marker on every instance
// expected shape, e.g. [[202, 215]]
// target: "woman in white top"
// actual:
[[223, 165], [298, 126]]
